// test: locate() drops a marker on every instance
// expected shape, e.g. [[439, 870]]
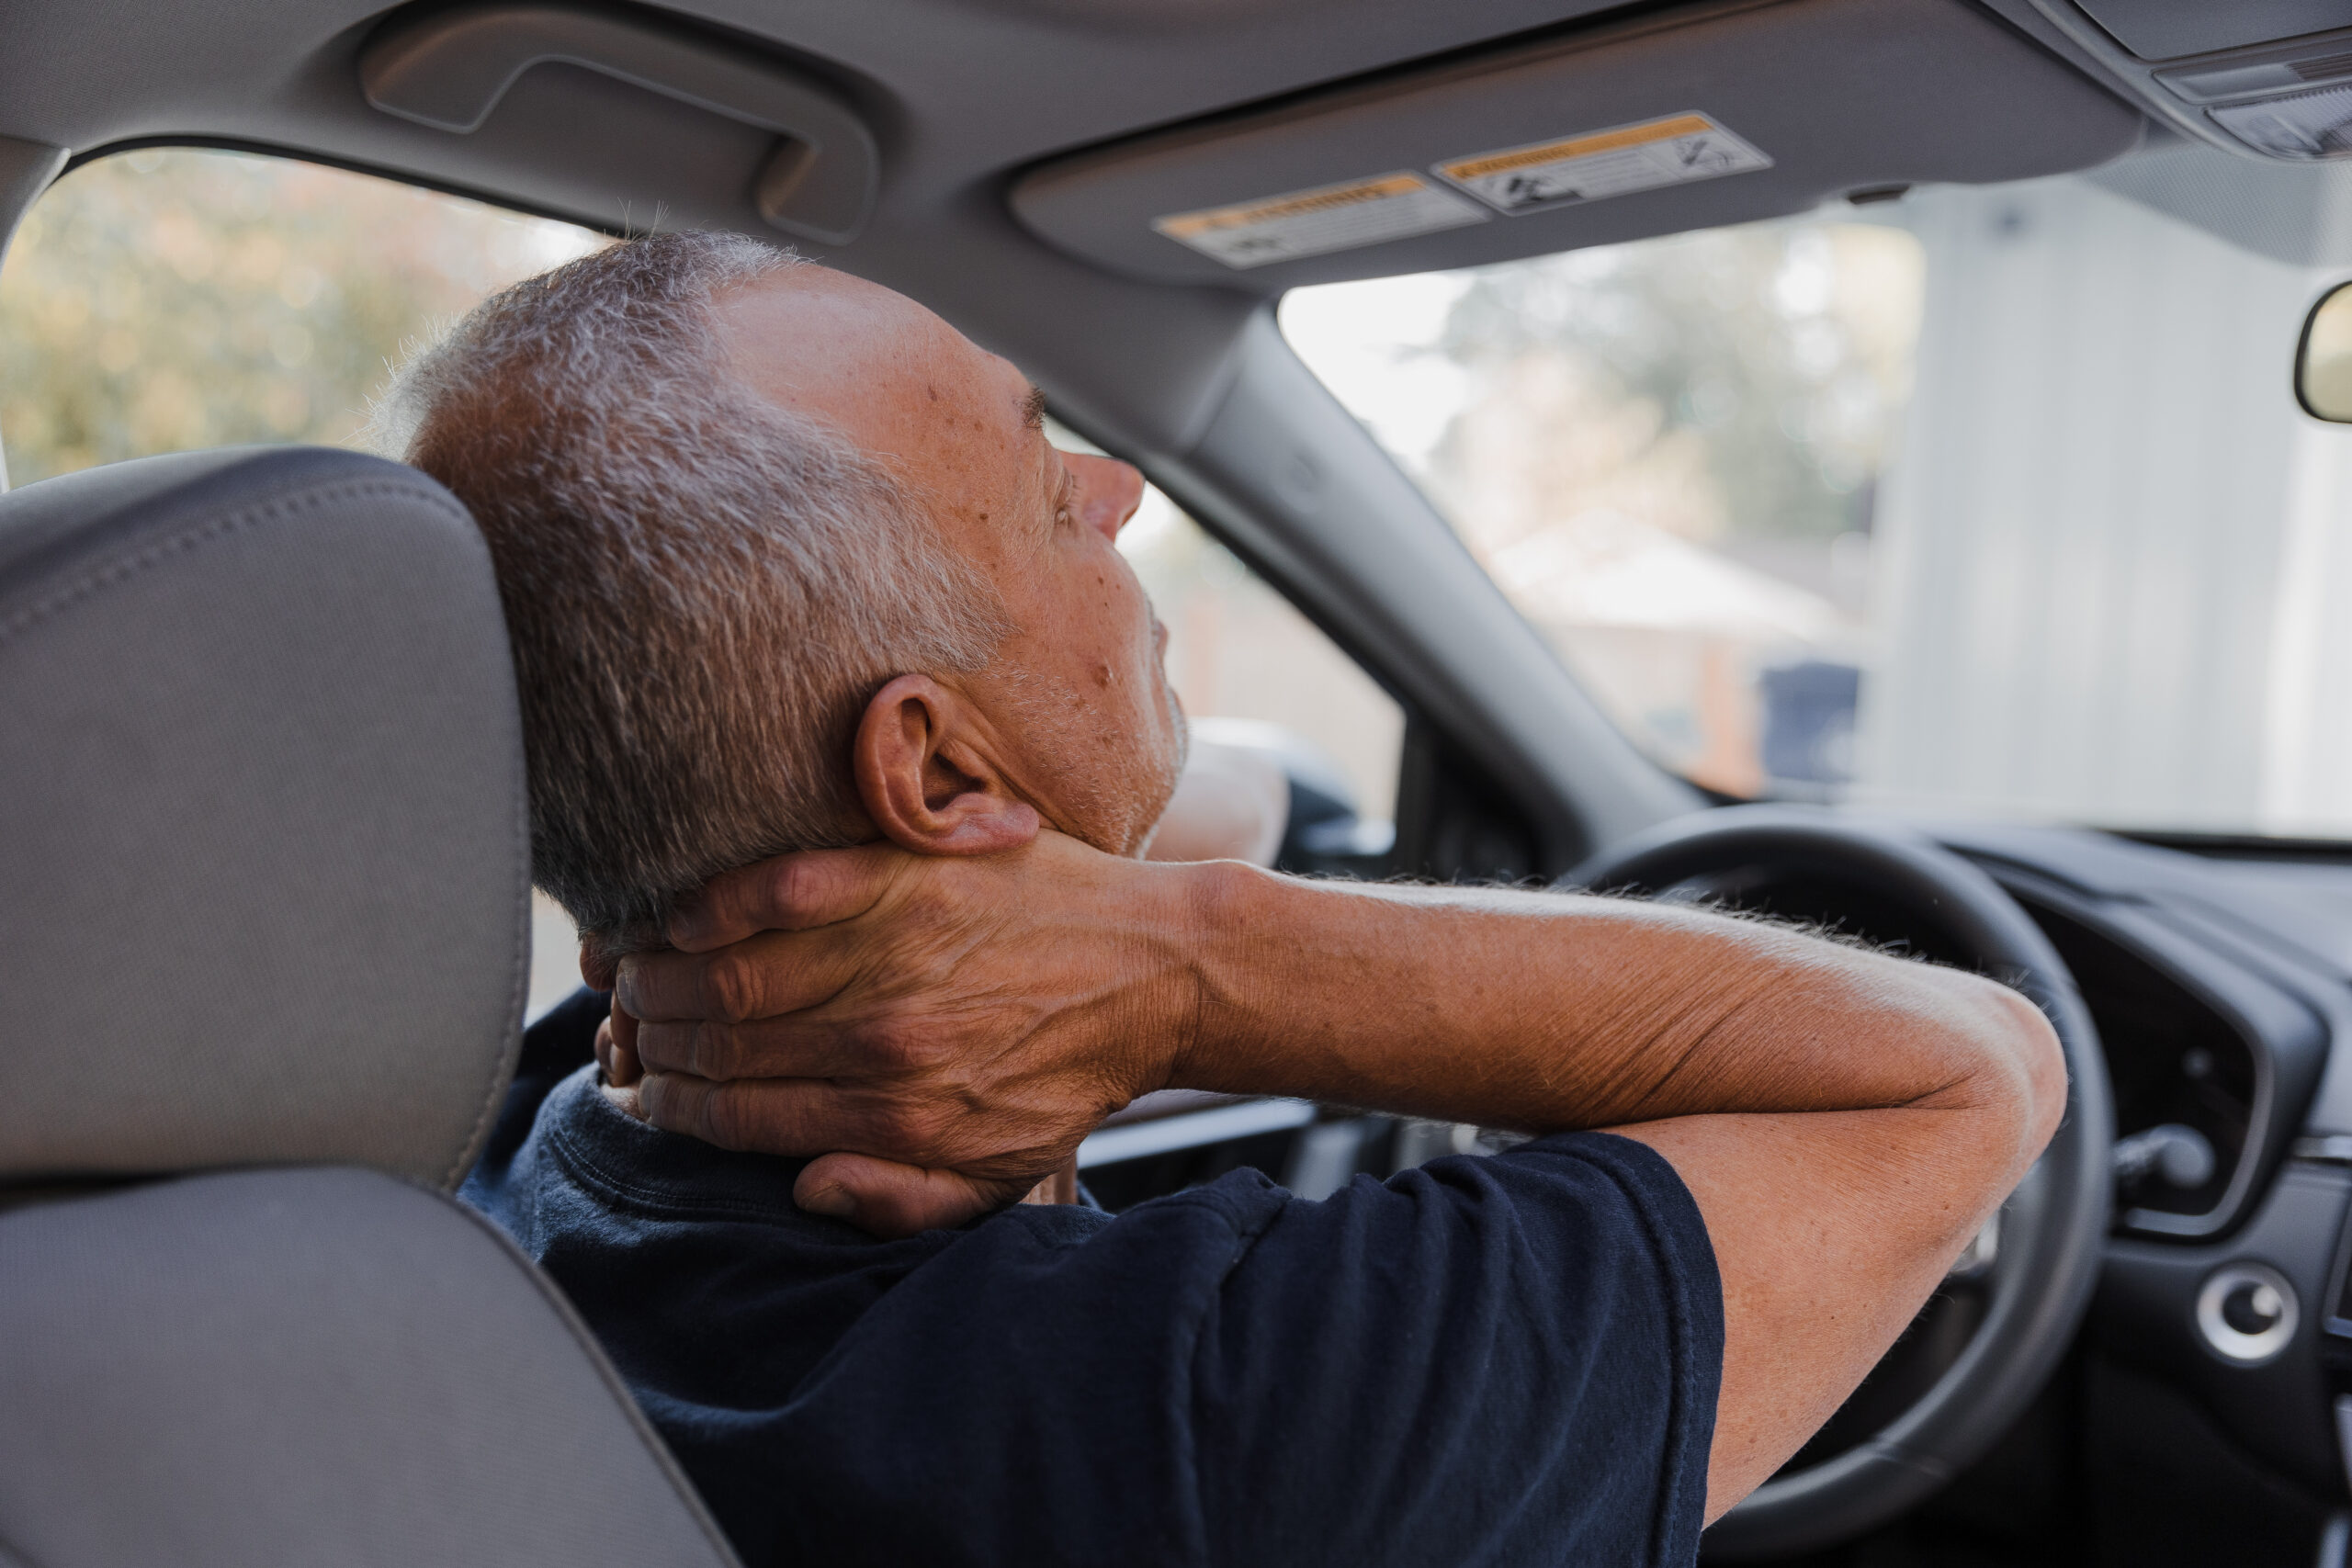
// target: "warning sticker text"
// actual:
[[1313, 222], [1616, 161]]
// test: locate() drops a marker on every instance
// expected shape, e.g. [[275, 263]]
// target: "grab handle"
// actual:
[[450, 71]]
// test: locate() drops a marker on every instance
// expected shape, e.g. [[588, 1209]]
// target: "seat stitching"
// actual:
[[510, 1051], [115, 572]]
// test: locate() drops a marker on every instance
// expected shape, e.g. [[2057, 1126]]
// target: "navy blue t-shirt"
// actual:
[[1510, 1359]]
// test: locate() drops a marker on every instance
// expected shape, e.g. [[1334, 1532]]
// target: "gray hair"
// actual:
[[702, 589]]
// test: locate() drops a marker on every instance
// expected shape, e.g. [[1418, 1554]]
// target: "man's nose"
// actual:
[[1108, 490]]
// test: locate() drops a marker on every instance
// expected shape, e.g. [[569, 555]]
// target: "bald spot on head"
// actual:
[[953, 420]]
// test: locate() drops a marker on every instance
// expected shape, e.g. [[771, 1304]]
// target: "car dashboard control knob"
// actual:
[[2246, 1312], [2180, 1155]]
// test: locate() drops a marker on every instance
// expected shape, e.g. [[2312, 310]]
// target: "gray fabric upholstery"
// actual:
[[310, 1368], [266, 871], [266, 861]]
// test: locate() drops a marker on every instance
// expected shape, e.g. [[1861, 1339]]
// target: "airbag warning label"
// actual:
[[1617, 161], [1313, 222]]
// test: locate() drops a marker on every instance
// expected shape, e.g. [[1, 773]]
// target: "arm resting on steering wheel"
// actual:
[[1845, 1120]]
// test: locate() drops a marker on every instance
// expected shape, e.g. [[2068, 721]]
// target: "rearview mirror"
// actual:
[[2323, 359]]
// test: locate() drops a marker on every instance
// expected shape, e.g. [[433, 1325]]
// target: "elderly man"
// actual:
[[790, 566]]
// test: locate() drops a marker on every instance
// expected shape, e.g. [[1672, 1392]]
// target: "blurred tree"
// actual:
[[163, 300], [1742, 382]]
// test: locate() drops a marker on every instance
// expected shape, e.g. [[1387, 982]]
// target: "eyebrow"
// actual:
[[1033, 409]]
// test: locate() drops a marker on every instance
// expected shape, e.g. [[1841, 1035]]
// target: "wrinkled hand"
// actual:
[[940, 1034]]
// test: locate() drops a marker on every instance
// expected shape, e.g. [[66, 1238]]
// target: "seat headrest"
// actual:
[[266, 861]]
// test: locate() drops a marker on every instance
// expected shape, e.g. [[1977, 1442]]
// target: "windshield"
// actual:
[[1987, 498]]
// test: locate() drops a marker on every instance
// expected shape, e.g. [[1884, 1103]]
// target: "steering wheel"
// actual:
[[1910, 1428]]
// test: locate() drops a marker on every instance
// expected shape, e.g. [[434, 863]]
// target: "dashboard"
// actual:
[[2214, 1378]]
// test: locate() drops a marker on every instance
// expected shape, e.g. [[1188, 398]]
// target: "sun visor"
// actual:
[[1692, 120]]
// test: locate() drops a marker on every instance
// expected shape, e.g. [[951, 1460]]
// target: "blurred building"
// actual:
[[2110, 552]]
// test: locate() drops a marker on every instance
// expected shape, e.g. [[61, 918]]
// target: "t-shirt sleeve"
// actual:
[[1484, 1361]]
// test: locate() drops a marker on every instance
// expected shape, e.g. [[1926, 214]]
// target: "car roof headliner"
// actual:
[[961, 97], [958, 91]]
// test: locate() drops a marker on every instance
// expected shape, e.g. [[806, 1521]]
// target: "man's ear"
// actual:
[[928, 787]]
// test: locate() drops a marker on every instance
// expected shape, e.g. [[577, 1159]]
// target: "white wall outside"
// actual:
[[2115, 563]]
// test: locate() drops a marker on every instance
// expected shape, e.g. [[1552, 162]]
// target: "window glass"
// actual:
[[1990, 499], [1242, 658], [165, 299], [1236, 649], [1666, 454]]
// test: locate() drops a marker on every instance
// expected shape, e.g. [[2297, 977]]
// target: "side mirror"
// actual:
[[2324, 358]]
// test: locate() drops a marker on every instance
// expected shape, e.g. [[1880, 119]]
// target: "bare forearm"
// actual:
[[977, 1016], [1843, 1120], [1547, 1011]]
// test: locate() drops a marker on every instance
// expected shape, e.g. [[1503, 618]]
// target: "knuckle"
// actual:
[[897, 1046], [657, 1046], [788, 890], [725, 1118], [699, 1046], [911, 1130], [718, 1049], [730, 987], [888, 1125]]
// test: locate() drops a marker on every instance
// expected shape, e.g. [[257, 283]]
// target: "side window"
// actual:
[[165, 298], [1240, 651]]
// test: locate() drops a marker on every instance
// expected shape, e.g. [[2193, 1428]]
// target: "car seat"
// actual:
[[263, 886]]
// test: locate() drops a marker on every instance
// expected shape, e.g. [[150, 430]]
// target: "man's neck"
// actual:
[[1059, 1188]]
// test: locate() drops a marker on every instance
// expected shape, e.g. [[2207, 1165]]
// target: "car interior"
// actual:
[[1869, 462]]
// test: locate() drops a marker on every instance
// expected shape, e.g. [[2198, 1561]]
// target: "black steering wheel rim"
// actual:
[[2052, 1227]]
